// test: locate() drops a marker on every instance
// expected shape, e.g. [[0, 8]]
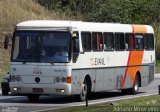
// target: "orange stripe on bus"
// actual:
[[125, 74], [139, 29], [134, 62]]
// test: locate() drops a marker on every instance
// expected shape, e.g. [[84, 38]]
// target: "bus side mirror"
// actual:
[[6, 42]]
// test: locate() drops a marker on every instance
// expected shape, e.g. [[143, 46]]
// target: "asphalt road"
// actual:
[[21, 103]]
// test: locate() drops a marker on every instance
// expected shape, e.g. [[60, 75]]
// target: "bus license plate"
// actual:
[[38, 90]]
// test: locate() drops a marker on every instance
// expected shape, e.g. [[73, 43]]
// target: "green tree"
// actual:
[[125, 11]]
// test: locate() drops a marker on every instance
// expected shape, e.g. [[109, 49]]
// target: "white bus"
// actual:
[[78, 58]]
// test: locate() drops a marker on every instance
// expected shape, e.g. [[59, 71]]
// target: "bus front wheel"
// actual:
[[5, 92], [84, 91]]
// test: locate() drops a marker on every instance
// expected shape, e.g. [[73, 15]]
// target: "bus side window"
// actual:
[[97, 41], [119, 41], [139, 41], [108, 41], [129, 41], [86, 41], [149, 41]]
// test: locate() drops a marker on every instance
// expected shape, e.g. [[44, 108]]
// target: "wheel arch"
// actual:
[[89, 82]]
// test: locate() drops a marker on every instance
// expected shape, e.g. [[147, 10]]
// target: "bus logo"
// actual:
[[37, 70], [97, 61]]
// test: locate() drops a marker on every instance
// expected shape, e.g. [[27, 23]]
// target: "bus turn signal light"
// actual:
[[69, 80]]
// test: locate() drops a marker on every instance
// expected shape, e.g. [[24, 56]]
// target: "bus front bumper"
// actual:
[[48, 89]]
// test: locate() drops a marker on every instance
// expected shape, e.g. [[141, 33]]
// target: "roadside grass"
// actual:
[[153, 100], [4, 62], [158, 66], [142, 102]]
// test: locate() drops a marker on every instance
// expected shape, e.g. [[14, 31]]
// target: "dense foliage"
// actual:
[[121, 11]]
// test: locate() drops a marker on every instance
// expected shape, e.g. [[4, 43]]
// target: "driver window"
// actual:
[[75, 46]]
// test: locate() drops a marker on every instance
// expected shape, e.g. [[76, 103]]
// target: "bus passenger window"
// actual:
[[129, 41], [149, 41], [108, 41], [139, 41], [119, 41], [86, 41], [97, 41]]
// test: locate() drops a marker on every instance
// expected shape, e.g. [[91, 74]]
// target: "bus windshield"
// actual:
[[41, 46]]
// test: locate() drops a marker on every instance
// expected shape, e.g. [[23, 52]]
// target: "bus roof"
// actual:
[[79, 26]]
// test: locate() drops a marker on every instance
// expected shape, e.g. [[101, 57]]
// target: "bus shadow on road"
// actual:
[[103, 95]]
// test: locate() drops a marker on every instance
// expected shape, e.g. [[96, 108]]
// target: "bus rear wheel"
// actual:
[[135, 88], [33, 97]]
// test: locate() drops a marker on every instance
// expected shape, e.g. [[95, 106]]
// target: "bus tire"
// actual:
[[125, 91], [5, 92], [84, 91], [33, 97], [135, 88]]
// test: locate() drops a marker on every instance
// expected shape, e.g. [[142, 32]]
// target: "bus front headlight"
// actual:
[[15, 78], [57, 79], [63, 79]]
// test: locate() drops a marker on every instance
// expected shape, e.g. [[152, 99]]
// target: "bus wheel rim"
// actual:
[[136, 86]]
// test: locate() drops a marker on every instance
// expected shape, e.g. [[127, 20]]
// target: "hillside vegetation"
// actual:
[[15, 11]]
